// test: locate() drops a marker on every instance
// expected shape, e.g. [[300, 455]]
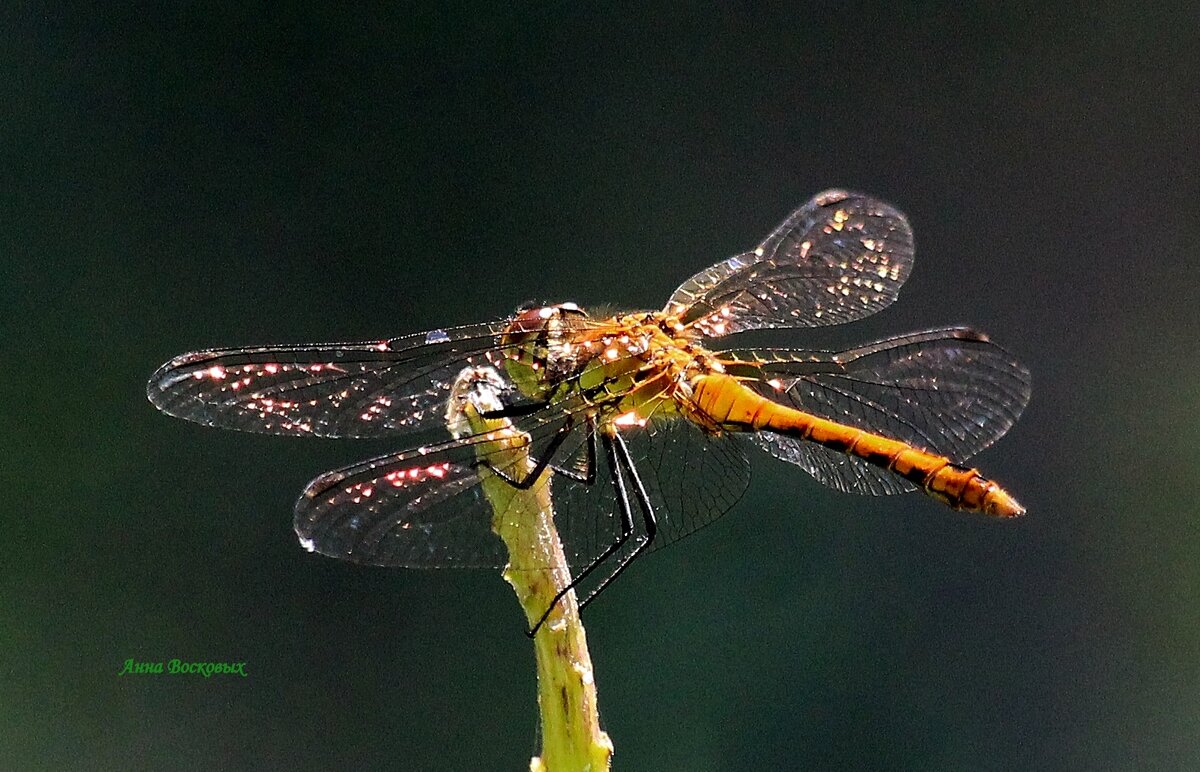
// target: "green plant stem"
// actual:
[[537, 570]]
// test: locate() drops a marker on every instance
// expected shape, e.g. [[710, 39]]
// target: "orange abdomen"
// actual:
[[725, 402]]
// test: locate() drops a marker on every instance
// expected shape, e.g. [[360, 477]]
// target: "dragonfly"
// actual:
[[641, 419]]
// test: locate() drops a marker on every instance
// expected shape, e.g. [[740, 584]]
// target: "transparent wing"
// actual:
[[324, 390], [419, 508], [425, 507], [836, 470], [840, 257], [691, 479], [949, 391]]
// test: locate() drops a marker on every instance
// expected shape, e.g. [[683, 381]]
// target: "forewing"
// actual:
[[324, 390], [949, 391], [840, 257]]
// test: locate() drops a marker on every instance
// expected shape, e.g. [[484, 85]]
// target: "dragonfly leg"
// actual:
[[648, 520], [527, 481], [516, 411], [529, 408], [618, 482]]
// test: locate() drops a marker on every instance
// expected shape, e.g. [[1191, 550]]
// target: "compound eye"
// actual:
[[528, 322]]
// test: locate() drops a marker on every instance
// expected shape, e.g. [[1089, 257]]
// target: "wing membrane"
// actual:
[[424, 507], [840, 257], [836, 470], [419, 508], [691, 478], [324, 390], [949, 391]]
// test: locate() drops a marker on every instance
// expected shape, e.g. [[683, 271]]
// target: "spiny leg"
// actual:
[[551, 448], [522, 410], [516, 411], [618, 482], [648, 520]]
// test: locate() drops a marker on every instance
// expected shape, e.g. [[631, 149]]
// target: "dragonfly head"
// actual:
[[538, 348]]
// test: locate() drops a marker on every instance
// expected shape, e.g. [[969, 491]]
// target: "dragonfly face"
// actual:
[[541, 349], [642, 418]]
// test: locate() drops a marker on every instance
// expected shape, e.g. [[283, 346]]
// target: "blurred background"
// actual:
[[185, 177]]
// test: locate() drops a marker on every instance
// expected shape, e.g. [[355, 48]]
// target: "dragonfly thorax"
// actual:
[[629, 366]]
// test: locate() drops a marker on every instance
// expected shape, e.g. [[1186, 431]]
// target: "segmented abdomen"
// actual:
[[728, 404]]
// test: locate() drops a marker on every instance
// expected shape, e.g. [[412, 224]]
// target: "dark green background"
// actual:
[[175, 179]]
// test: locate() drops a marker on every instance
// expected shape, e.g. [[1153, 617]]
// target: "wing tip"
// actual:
[[169, 375]]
